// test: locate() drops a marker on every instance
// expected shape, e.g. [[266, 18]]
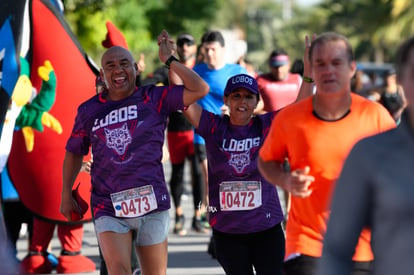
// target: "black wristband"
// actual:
[[170, 60]]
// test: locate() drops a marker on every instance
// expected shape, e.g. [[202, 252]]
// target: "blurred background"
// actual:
[[252, 28]]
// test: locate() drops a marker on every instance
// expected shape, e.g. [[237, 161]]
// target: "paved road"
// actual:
[[187, 255]]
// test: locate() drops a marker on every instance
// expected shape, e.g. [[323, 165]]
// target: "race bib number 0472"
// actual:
[[240, 195], [134, 202]]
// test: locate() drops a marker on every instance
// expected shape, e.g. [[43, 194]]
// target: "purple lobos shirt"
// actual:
[[232, 153], [126, 138]]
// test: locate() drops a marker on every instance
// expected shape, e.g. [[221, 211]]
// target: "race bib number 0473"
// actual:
[[134, 202], [240, 195]]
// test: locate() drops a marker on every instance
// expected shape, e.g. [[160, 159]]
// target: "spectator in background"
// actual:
[[361, 83], [297, 67], [278, 87], [392, 95], [389, 94], [376, 189], [200, 56]]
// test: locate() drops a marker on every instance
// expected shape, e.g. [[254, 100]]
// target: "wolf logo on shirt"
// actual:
[[118, 138], [240, 161]]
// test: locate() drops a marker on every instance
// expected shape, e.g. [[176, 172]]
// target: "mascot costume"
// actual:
[[41, 35], [27, 110]]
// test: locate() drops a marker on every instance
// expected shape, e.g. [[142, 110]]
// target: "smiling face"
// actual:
[[241, 103], [332, 69], [119, 72]]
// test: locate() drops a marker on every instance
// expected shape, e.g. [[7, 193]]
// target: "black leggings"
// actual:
[[177, 182], [239, 253]]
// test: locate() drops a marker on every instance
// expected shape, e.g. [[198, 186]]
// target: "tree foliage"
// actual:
[[183, 16], [139, 20], [374, 27]]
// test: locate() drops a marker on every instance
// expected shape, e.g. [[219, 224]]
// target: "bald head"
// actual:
[[116, 52]]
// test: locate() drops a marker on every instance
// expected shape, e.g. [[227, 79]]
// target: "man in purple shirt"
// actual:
[[125, 127]]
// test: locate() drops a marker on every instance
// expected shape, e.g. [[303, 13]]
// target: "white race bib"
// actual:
[[240, 195], [134, 202]]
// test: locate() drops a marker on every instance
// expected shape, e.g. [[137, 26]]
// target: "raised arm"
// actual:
[[194, 86], [307, 87]]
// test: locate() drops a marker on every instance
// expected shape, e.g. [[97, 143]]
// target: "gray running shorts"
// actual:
[[148, 230]]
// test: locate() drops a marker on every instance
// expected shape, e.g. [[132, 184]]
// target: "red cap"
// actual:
[[114, 37]]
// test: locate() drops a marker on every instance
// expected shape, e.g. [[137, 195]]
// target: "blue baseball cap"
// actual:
[[241, 81]]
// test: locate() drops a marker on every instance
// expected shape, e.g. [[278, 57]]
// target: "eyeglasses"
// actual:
[[181, 42]]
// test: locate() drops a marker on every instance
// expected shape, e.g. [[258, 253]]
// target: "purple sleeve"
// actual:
[[78, 142], [206, 124], [167, 99]]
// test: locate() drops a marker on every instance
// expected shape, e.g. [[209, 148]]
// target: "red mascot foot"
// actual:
[[74, 262], [36, 263]]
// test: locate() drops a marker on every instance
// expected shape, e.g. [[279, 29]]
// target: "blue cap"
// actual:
[[241, 81]]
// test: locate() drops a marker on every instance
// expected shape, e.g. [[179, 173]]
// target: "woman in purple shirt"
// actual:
[[244, 209], [125, 127]]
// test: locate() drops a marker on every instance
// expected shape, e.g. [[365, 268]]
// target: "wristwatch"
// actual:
[[170, 60]]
